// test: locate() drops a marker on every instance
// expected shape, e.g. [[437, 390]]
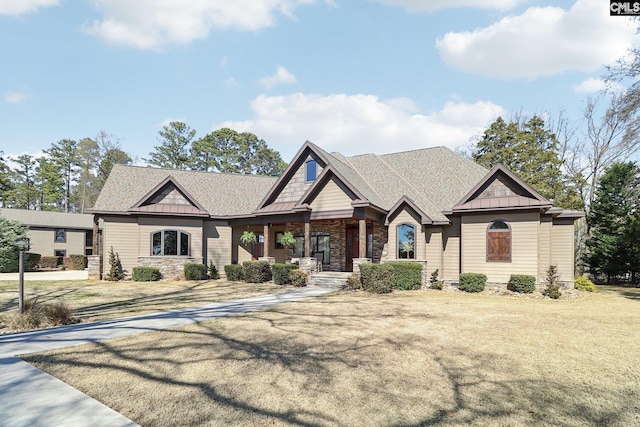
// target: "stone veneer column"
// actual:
[[94, 266], [308, 264], [358, 261]]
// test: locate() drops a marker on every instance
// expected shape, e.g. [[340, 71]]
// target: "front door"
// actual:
[[257, 249], [353, 246]]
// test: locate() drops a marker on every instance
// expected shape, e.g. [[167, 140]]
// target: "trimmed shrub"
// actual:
[[582, 283], [78, 262], [233, 272], [472, 282], [376, 278], [522, 283], [146, 274], [407, 276], [256, 271], [353, 281], [434, 283], [281, 273], [298, 278], [213, 271], [50, 261], [195, 271], [31, 261]]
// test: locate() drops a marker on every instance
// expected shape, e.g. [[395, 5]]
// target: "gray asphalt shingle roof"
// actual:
[[219, 193], [435, 179], [48, 219]]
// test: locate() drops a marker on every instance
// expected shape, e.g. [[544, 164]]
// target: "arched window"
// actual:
[[499, 241], [169, 242], [406, 241]]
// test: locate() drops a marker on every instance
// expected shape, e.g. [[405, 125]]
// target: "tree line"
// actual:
[[71, 174]]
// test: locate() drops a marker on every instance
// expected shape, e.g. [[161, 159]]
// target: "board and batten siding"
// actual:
[[217, 236], [563, 249], [331, 198], [524, 245], [122, 235], [405, 217], [451, 251], [148, 226]]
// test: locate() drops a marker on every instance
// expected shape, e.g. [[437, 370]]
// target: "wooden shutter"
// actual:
[[499, 245]]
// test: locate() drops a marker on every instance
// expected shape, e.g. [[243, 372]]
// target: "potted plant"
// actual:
[[287, 239], [248, 238]]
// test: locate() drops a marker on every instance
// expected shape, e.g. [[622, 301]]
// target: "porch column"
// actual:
[[266, 240], [362, 238], [96, 235], [307, 239]]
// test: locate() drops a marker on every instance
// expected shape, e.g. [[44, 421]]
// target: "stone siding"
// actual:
[[94, 266], [169, 266]]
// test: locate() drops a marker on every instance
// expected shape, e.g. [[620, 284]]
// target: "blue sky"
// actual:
[[351, 76]]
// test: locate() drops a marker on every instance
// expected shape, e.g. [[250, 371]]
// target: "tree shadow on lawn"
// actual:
[[310, 369], [629, 292]]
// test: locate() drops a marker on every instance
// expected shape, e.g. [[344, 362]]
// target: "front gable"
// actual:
[[500, 189], [405, 204], [168, 198], [293, 183], [330, 194]]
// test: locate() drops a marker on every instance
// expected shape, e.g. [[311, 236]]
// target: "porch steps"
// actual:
[[330, 279]]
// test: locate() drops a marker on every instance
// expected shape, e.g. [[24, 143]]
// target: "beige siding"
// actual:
[[331, 198], [122, 235], [433, 249], [451, 251], [524, 246], [562, 254], [148, 226], [405, 217], [42, 242], [217, 236], [544, 247], [240, 253]]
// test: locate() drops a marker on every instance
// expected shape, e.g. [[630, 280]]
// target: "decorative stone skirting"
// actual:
[[308, 265], [169, 266], [94, 267], [271, 260]]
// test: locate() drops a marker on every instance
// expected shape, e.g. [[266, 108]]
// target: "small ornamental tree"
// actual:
[[552, 290], [115, 267]]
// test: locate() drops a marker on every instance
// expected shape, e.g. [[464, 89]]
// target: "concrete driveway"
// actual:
[[48, 275]]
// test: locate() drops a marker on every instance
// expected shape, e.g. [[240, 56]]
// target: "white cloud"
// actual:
[[593, 85], [14, 97], [153, 24], [231, 82], [353, 124], [433, 5], [167, 121], [19, 7], [542, 41], [282, 76]]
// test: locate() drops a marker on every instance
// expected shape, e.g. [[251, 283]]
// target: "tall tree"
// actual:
[[25, 194], [226, 150], [175, 142], [6, 180], [85, 190], [110, 154], [51, 185], [531, 151], [63, 154], [614, 246]]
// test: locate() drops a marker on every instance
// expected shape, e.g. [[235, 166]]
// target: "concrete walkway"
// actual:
[[30, 397], [48, 275]]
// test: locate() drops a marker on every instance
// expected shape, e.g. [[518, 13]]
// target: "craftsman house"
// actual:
[[430, 205]]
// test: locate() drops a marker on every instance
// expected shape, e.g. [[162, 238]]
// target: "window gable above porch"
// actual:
[[168, 198]]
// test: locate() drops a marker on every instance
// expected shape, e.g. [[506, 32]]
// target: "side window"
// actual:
[[170, 242], [311, 170], [499, 242], [61, 235], [406, 237]]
